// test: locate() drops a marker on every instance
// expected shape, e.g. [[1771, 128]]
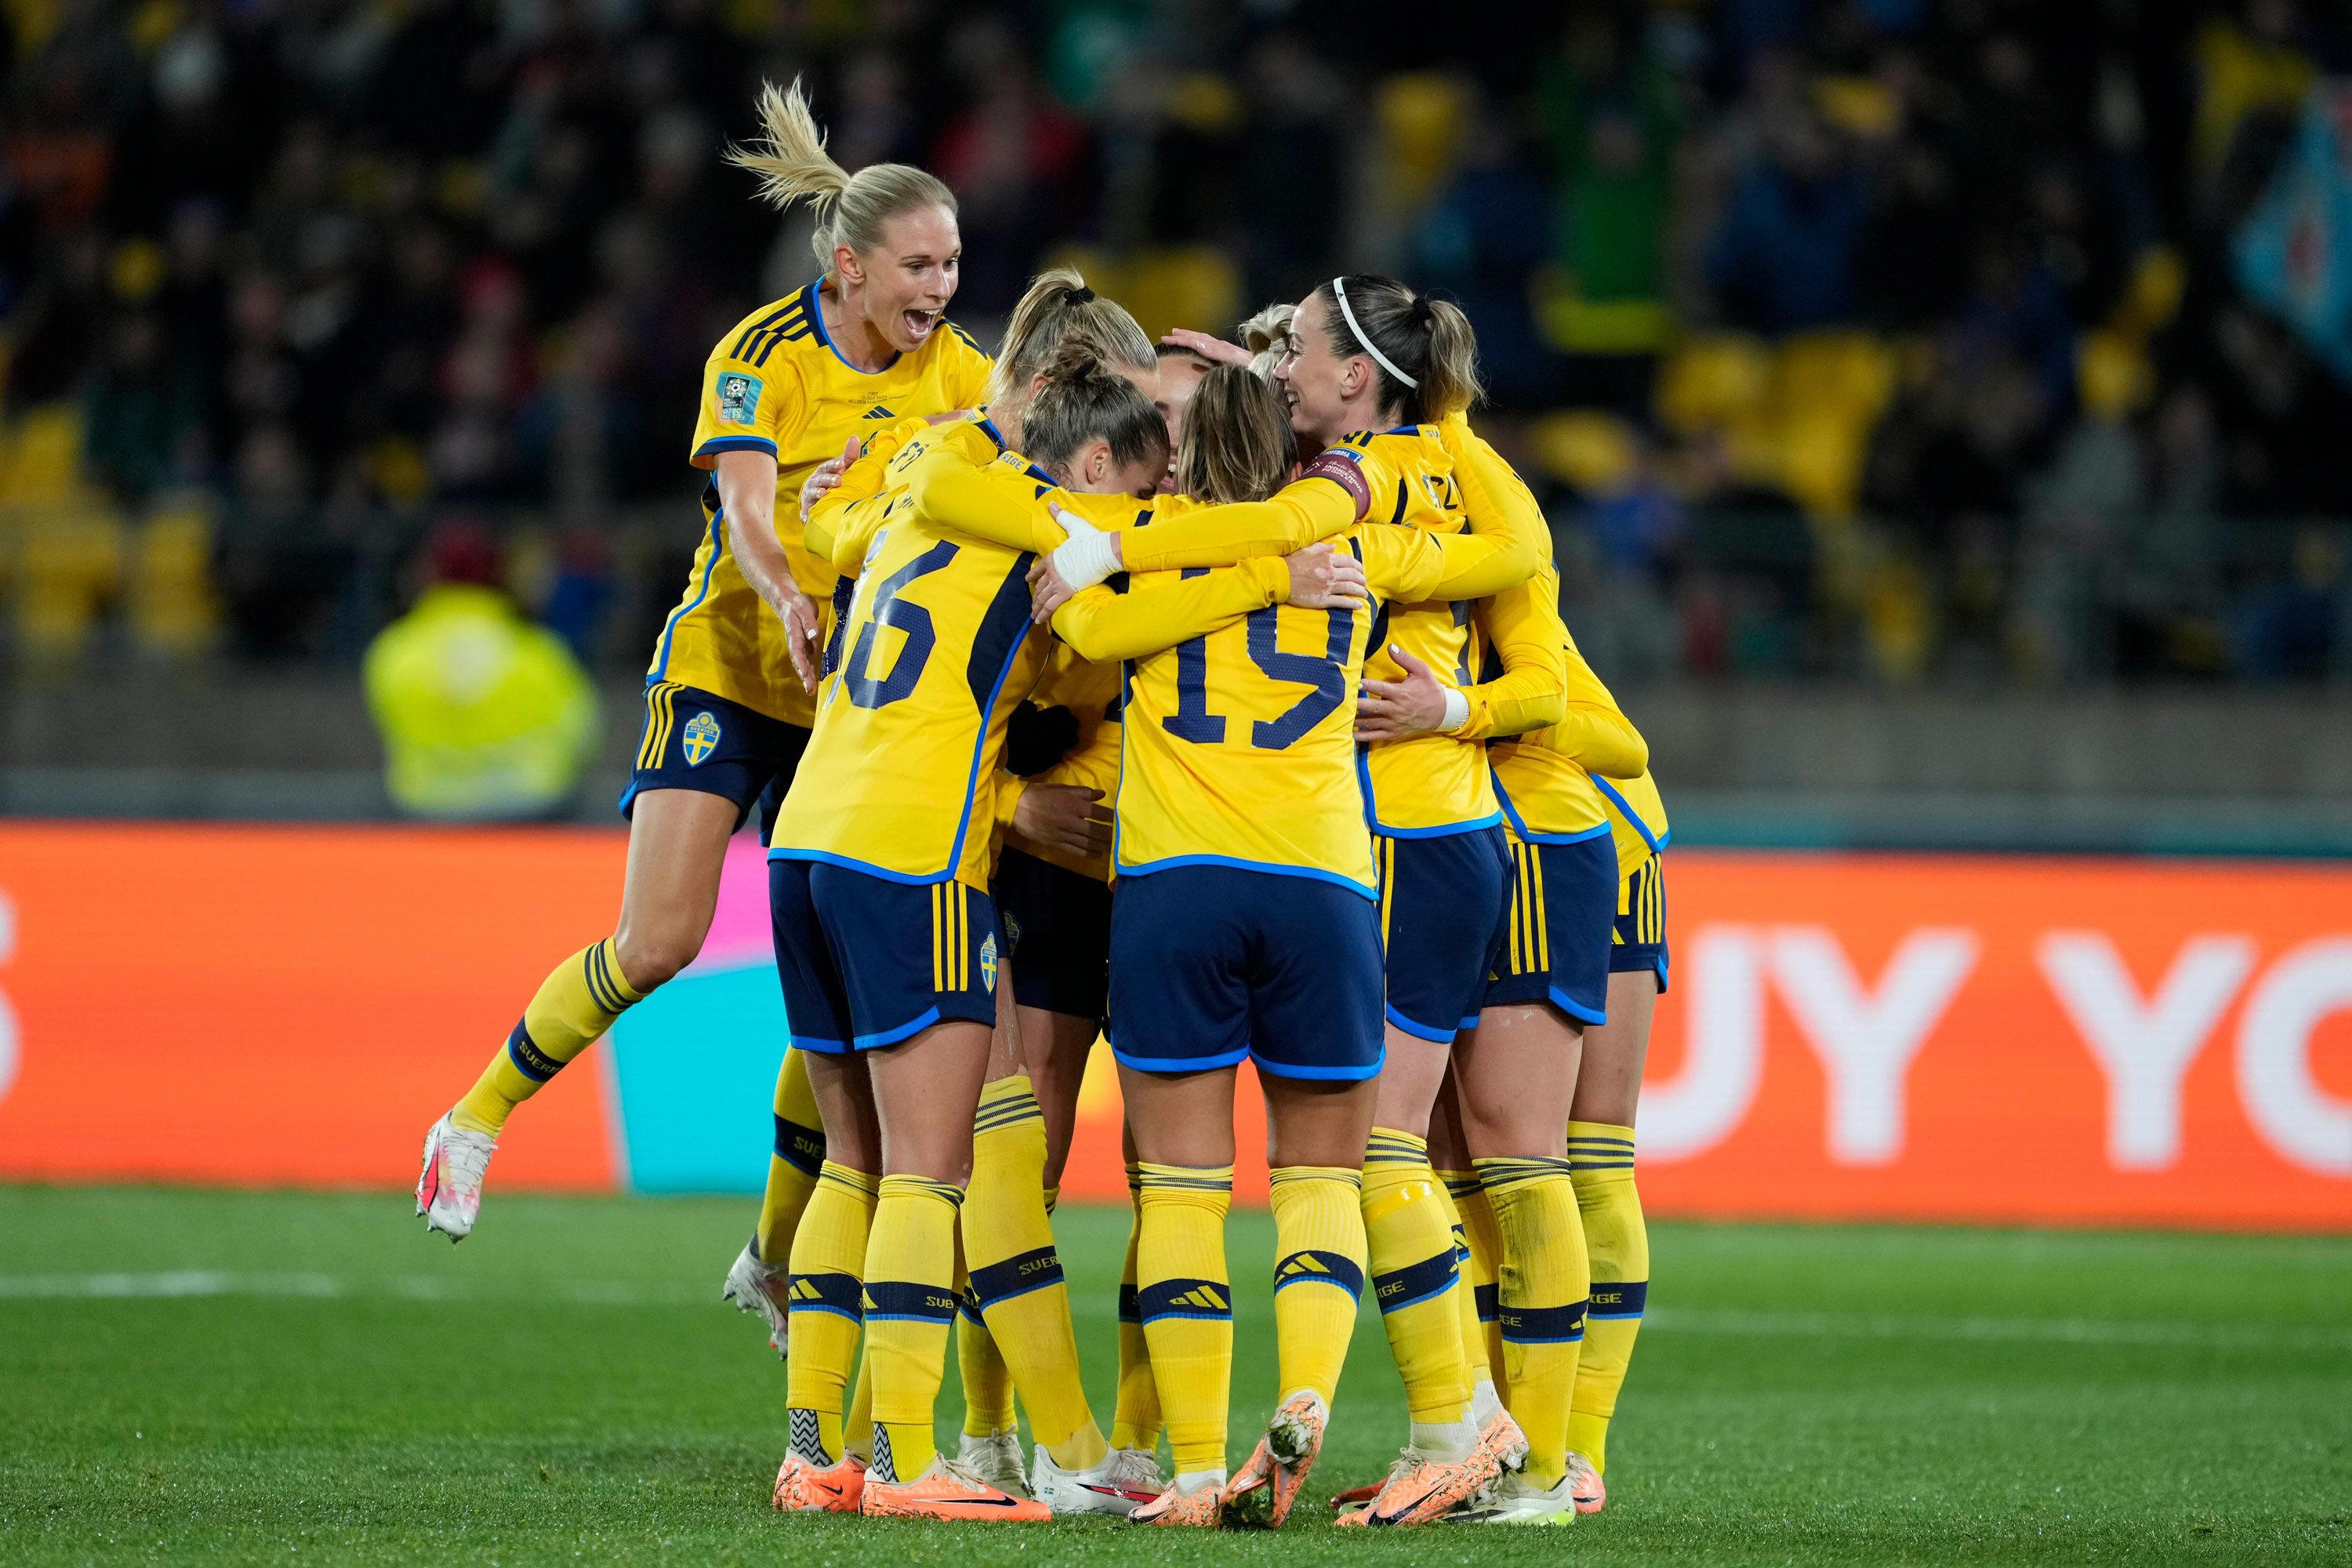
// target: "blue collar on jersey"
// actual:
[[817, 314], [988, 428]]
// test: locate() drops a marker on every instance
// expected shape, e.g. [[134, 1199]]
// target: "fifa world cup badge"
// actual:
[[701, 738], [738, 397], [987, 960]]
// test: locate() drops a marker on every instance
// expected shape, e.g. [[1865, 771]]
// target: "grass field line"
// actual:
[[186, 1283]]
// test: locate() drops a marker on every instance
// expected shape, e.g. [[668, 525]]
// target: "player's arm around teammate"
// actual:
[[725, 718], [887, 940]]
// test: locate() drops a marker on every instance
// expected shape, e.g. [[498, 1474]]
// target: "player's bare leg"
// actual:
[[677, 847]]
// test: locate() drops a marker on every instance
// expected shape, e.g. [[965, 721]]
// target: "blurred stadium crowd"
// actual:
[[1965, 339]]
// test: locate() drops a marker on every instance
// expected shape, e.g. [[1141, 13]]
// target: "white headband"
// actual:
[[1339, 292]]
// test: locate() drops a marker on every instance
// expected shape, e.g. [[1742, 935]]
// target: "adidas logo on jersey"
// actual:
[[879, 412]]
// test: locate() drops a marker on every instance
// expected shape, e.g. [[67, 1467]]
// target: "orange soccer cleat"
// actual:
[[1420, 1487], [1284, 1456], [804, 1487], [1591, 1495], [948, 1490], [1204, 1507]]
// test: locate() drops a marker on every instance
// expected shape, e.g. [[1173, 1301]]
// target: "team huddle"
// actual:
[[1212, 698]]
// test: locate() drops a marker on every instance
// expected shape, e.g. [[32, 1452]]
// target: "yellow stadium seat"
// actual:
[[1424, 117], [69, 561], [1591, 450], [40, 458], [173, 611], [1714, 382]]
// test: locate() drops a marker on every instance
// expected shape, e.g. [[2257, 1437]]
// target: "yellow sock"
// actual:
[[1486, 1241], [792, 1167], [1451, 1185], [1187, 1306], [857, 1427], [1602, 1155], [1318, 1273], [1541, 1287], [1016, 1275], [1413, 1279], [1135, 1423], [576, 1005], [910, 1304], [829, 1257], [987, 1384]]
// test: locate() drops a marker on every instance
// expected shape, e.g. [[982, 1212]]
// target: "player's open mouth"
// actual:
[[919, 323]]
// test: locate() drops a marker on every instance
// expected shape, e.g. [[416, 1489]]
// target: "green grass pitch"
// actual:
[[325, 1383]]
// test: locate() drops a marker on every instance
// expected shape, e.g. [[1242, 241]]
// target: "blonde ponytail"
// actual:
[[1266, 335], [1058, 308], [794, 166]]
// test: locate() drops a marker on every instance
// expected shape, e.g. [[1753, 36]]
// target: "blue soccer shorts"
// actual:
[[1213, 964]]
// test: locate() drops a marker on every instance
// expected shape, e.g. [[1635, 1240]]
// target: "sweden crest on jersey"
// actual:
[[701, 738]]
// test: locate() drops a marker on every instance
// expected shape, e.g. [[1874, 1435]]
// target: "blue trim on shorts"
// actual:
[[1345, 1075], [1420, 1031], [1270, 867], [1176, 1063], [1559, 1000], [892, 1037], [823, 1047]]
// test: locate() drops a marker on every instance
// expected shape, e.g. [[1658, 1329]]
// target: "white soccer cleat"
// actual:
[[1515, 1499], [1109, 1487], [1136, 1470], [996, 1459], [449, 1187], [762, 1290]]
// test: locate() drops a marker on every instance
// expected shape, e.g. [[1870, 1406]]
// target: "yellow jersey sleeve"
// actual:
[[840, 526], [1161, 609], [1409, 565], [747, 404], [1304, 512], [1522, 625]]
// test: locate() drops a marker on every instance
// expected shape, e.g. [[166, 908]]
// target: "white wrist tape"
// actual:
[[1086, 559], [1457, 710]]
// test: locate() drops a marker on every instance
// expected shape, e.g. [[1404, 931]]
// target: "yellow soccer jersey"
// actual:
[[880, 477], [1431, 784], [1239, 743], [1091, 692], [775, 384], [935, 651], [1637, 818]]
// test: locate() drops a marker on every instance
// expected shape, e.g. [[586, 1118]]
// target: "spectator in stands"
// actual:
[[485, 717]]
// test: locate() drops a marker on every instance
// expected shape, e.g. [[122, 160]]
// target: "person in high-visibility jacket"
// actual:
[[485, 715]]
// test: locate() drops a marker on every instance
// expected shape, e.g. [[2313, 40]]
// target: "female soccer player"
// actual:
[[1015, 1303], [1514, 1072], [724, 714], [885, 936], [1600, 1128], [1208, 964]]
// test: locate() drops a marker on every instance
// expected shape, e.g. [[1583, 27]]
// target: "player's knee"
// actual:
[[653, 957]]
